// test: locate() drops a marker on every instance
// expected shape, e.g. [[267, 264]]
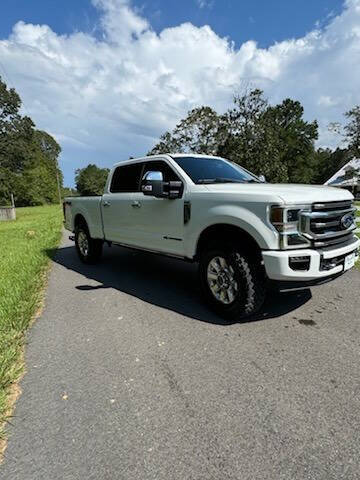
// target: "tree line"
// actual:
[[272, 140], [28, 157]]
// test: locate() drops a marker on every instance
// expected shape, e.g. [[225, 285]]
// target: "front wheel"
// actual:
[[88, 249], [233, 283]]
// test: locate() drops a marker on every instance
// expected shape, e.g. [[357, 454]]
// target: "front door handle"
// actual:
[[136, 204], [106, 204]]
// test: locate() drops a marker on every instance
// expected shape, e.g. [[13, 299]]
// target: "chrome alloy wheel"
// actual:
[[83, 243], [220, 277]]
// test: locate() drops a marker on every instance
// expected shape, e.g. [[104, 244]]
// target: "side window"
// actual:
[[160, 166], [126, 178]]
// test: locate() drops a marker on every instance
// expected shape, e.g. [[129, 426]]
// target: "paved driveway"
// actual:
[[130, 377]]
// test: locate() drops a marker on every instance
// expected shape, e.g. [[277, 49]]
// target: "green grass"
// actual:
[[23, 263]]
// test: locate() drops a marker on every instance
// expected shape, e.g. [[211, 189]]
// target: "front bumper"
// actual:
[[277, 263]]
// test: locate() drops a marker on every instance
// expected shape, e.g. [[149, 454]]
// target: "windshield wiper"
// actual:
[[219, 180]]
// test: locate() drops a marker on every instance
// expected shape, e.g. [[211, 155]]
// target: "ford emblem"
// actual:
[[347, 221]]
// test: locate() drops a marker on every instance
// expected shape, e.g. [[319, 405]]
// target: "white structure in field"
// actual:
[[339, 180]]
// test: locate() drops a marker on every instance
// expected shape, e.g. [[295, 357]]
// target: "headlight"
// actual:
[[286, 221]]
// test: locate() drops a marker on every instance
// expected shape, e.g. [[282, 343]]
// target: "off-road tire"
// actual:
[[249, 274], [95, 246]]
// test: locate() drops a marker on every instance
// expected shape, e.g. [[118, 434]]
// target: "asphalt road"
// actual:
[[131, 377]]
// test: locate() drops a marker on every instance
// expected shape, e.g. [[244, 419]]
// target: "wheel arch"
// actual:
[[226, 232], [79, 220]]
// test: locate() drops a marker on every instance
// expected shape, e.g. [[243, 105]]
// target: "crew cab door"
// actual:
[[116, 206], [159, 222]]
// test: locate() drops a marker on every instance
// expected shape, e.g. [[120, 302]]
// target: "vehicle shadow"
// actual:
[[165, 282]]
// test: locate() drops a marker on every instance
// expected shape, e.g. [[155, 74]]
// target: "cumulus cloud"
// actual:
[[109, 96]]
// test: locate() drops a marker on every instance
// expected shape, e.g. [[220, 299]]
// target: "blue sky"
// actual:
[[107, 77], [261, 20]]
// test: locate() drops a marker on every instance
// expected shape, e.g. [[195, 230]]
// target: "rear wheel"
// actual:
[[88, 249], [232, 281]]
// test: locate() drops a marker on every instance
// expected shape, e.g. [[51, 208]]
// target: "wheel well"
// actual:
[[79, 220], [224, 233]]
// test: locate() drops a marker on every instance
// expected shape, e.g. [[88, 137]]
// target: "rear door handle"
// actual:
[[106, 204], [136, 204]]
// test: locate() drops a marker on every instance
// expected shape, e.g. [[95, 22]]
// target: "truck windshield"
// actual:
[[207, 170]]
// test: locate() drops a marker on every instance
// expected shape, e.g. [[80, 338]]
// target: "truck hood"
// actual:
[[287, 193]]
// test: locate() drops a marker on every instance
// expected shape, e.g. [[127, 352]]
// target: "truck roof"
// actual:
[[171, 155]]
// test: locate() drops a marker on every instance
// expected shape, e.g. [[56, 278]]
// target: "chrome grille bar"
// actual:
[[335, 223], [332, 205], [323, 224], [331, 233], [333, 213], [333, 241]]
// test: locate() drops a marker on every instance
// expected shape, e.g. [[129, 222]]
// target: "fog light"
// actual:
[[328, 263], [299, 263]]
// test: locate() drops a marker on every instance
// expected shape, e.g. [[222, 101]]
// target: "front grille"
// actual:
[[326, 223], [332, 206]]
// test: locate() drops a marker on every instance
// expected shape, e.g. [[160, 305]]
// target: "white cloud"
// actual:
[[326, 101], [108, 98], [205, 3]]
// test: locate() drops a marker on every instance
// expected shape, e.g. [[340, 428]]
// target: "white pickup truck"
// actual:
[[242, 231]]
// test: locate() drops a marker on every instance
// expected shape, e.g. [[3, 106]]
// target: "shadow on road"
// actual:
[[165, 282]]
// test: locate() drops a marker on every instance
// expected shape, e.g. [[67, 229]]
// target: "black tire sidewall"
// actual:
[[95, 245], [251, 285], [84, 229]]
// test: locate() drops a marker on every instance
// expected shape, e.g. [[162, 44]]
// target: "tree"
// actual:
[[295, 140], [252, 137], [352, 130], [69, 192], [351, 173], [199, 132], [28, 157], [271, 140], [50, 151], [15, 137], [327, 163], [91, 180]]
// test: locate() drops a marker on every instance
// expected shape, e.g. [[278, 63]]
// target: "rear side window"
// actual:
[[126, 178]]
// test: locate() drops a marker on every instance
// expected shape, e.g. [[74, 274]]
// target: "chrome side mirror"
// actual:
[[262, 178], [153, 176], [152, 184]]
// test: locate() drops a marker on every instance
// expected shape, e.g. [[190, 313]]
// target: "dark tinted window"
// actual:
[[126, 178], [158, 166], [213, 170]]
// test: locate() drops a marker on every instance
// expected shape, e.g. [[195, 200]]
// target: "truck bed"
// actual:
[[89, 208]]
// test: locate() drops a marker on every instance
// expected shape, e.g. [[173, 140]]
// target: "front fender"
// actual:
[[252, 222]]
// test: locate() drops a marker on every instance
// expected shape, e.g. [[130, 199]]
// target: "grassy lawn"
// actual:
[[23, 263]]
